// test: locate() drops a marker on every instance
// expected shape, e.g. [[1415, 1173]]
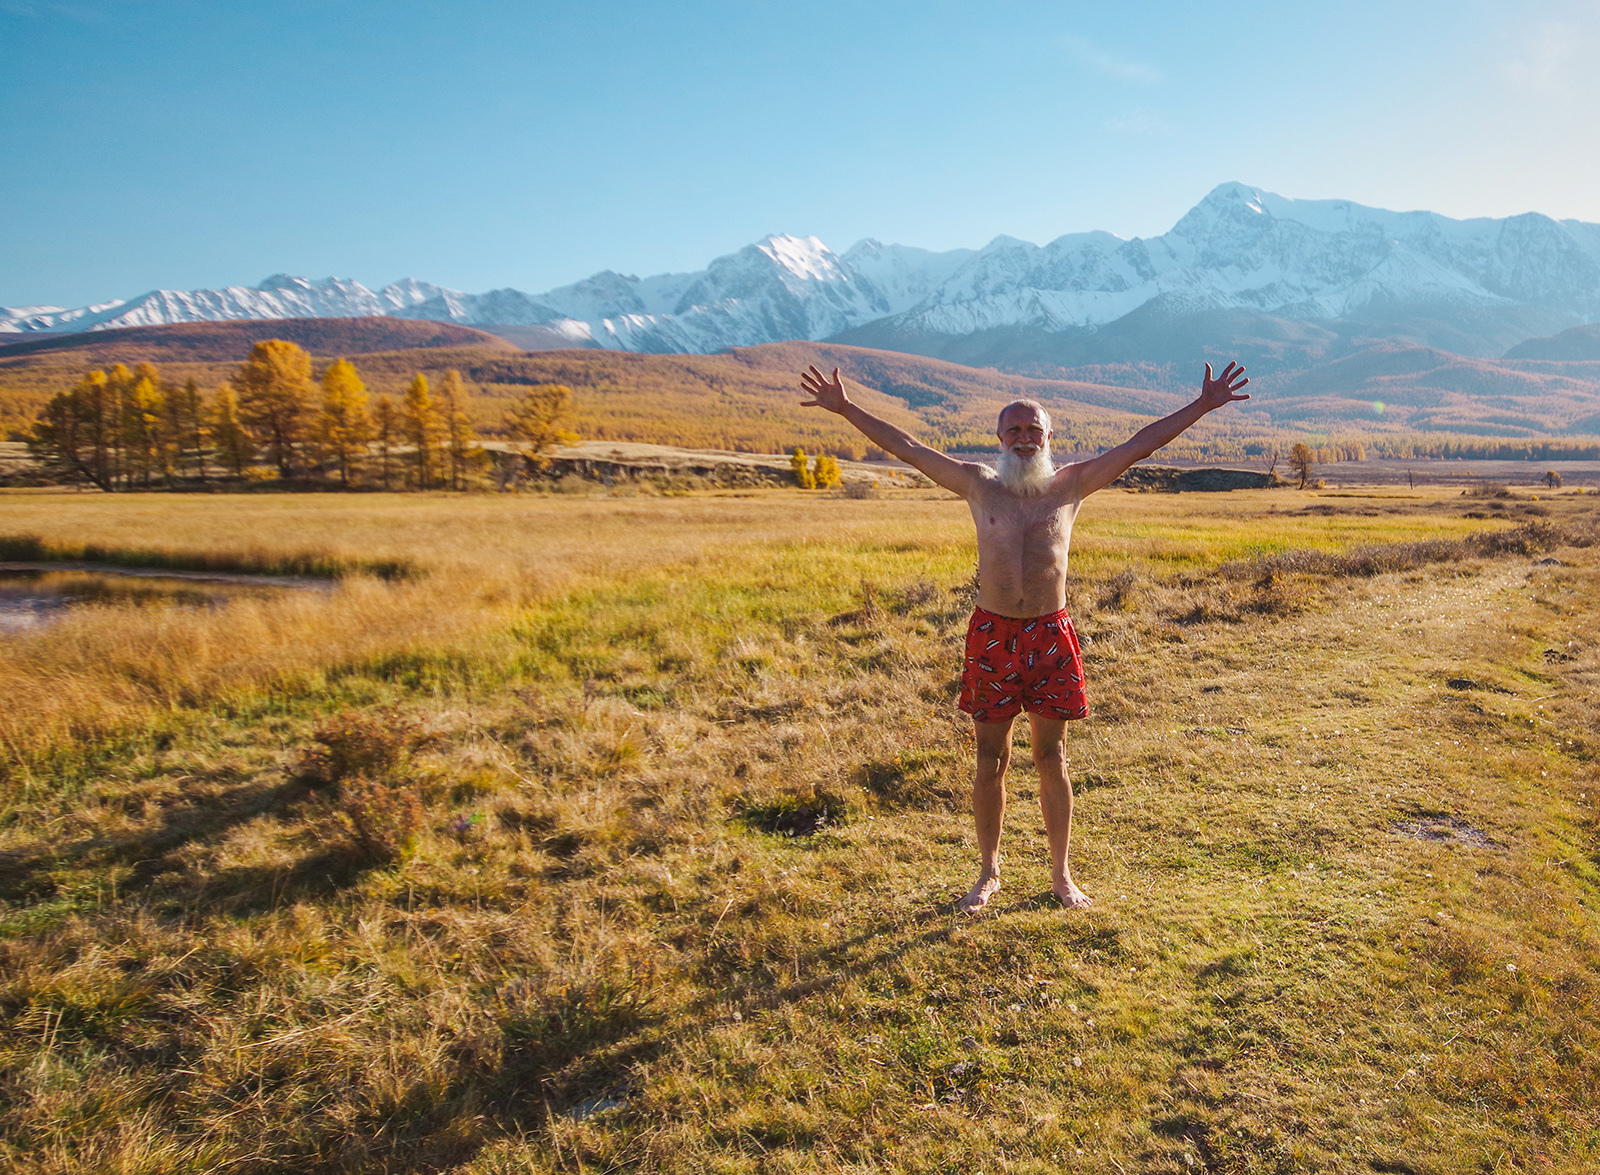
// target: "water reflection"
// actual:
[[33, 595]]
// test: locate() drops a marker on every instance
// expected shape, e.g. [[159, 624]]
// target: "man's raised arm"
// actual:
[[1099, 472], [955, 476]]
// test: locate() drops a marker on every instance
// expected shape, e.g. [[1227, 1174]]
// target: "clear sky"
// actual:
[[487, 143]]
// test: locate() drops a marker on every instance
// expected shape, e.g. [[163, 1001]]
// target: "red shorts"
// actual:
[[1014, 664]]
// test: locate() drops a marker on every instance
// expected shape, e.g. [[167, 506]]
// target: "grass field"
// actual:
[[620, 834]]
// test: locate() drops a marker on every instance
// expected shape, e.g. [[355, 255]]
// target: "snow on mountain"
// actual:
[[901, 274], [1304, 259], [1240, 248], [53, 318], [407, 292]]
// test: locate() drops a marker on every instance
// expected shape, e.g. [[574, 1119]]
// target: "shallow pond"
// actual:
[[34, 594]]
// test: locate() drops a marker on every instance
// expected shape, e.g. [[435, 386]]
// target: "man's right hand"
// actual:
[[824, 392]]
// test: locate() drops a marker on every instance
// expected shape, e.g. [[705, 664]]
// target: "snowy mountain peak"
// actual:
[[1235, 193], [805, 257], [408, 291], [285, 281], [1240, 248]]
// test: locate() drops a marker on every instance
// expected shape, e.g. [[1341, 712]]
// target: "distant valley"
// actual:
[[1395, 399]]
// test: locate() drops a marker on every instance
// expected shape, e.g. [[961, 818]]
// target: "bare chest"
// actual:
[[1008, 523]]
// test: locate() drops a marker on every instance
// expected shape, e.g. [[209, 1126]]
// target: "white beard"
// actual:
[[1027, 477]]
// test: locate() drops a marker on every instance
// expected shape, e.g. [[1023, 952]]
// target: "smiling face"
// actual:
[[1024, 430], [1025, 466]]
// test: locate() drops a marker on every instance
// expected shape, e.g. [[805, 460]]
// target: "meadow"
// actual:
[[607, 833]]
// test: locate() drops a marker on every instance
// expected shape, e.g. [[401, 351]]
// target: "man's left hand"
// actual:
[[1215, 391]]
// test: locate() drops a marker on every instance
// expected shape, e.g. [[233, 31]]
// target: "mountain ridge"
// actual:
[[1481, 285]]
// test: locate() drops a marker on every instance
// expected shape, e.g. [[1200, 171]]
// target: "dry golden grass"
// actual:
[[591, 955]]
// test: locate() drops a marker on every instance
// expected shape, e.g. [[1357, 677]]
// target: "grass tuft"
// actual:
[[802, 811], [359, 743]]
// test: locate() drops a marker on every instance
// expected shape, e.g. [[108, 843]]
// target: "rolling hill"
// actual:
[[746, 398]]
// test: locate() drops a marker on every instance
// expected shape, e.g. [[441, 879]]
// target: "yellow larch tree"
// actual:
[[274, 387], [144, 439], [419, 418], [385, 435], [234, 446], [461, 450], [534, 422], [803, 476], [344, 427]]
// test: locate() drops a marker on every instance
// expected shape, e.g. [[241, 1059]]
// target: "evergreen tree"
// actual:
[[420, 420], [344, 428], [460, 448], [534, 422], [234, 446], [274, 386], [384, 435]]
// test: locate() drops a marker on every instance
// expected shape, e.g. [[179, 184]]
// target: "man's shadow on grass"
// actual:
[[940, 922]]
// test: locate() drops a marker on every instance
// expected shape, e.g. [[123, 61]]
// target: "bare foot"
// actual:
[[1071, 896], [979, 897]]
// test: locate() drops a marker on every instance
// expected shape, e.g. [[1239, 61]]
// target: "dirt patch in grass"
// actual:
[[1446, 829]]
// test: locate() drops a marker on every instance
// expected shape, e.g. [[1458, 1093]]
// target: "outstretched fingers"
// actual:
[[820, 387], [1231, 379], [813, 383]]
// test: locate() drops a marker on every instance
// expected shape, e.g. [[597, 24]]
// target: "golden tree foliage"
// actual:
[[143, 434], [420, 421], [76, 433], [533, 423], [803, 476], [385, 437], [344, 427], [234, 446], [274, 387], [186, 416], [115, 430], [461, 452]]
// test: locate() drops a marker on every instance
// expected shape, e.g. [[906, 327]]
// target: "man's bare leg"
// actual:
[[1055, 801], [989, 808]]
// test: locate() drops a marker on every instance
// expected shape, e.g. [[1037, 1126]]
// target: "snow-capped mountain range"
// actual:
[[1240, 250]]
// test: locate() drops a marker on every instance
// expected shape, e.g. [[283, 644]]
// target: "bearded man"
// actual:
[[1021, 652]]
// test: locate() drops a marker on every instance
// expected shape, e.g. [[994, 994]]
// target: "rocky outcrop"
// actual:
[[620, 463], [1170, 480]]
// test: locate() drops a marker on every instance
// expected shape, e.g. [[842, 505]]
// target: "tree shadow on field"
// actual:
[[147, 858]]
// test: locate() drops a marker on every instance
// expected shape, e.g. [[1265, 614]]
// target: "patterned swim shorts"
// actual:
[[1015, 664]]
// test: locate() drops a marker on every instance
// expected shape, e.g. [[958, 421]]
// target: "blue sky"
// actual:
[[480, 143]]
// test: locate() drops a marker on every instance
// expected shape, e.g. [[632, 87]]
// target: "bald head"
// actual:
[[1024, 408]]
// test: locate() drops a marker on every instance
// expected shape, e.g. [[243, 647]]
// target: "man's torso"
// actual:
[[1022, 547]]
